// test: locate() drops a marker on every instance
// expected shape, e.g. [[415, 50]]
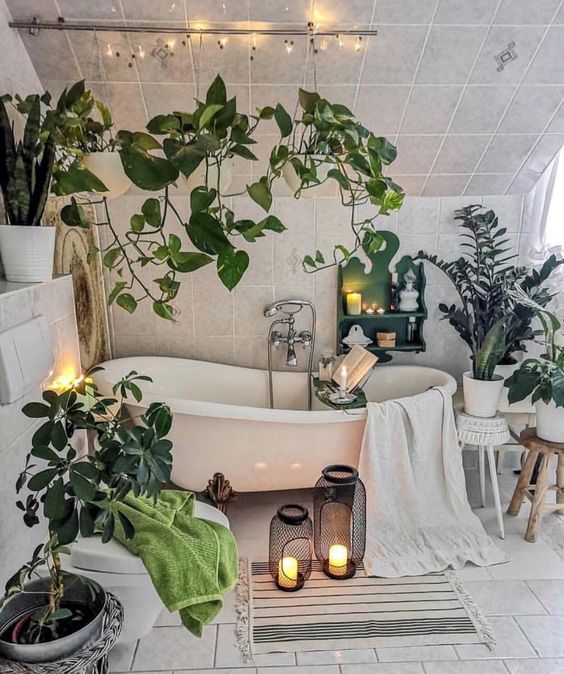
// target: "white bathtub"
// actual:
[[222, 422]]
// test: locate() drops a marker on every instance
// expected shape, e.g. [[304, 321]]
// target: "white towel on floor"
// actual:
[[418, 516]]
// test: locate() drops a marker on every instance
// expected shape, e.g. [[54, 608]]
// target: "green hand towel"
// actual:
[[192, 562]]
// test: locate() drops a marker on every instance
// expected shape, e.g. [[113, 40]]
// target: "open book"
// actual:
[[354, 367]]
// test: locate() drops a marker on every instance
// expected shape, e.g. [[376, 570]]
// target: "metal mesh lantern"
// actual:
[[339, 521], [290, 547]]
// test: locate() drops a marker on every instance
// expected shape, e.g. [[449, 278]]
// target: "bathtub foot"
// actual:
[[220, 492]]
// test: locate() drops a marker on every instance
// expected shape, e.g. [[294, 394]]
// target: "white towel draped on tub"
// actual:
[[418, 516]]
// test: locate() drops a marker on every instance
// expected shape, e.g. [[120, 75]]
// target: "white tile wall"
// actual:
[[229, 327], [55, 301]]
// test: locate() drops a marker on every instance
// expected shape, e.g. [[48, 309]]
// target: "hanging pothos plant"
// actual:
[[327, 143], [197, 146]]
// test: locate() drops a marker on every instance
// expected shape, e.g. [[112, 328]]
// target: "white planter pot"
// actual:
[[481, 398], [550, 421], [198, 178], [108, 167], [293, 181], [27, 253]]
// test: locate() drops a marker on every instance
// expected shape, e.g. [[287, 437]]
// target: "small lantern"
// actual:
[[340, 521], [290, 547]]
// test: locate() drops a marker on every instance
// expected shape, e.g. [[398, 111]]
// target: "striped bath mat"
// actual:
[[361, 612]]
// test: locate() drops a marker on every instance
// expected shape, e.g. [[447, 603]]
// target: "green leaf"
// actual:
[[45, 453], [151, 210], [335, 174], [231, 265], [274, 224], [266, 113], [86, 469], [36, 410], [68, 532], [74, 215], [186, 158], [127, 301], [87, 523], [118, 287], [207, 234], [201, 198], [83, 489], [40, 480], [137, 223], [283, 120], [260, 194], [163, 310], [128, 528], [108, 532], [308, 100], [162, 124], [59, 437], [111, 256], [146, 171], [244, 152], [217, 93], [208, 114], [188, 262], [77, 179]]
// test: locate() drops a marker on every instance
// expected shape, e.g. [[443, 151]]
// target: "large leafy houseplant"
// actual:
[[488, 318], [327, 144], [543, 378], [196, 144], [87, 158], [77, 492]]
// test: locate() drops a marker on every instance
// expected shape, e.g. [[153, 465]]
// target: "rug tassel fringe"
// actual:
[[479, 620], [243, 613]]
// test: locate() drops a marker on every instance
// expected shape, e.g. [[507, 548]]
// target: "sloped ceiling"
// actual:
[[430, 81]]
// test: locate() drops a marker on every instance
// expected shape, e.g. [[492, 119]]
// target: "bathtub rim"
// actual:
[[247, 413]]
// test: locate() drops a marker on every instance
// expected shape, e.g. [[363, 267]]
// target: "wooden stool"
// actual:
[[536, 493], [485, 434]]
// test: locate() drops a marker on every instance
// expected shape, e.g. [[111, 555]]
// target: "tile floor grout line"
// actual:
[[137, 643], [539, 599], [215, 646], [514, 618]]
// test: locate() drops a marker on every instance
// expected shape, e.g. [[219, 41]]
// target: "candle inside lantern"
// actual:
[[338, 560], [288, 572], [354, 303]]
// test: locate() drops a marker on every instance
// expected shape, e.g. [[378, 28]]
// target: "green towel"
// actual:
[[192, 562]]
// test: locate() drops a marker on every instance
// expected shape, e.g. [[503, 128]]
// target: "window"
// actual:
[[555, 217]]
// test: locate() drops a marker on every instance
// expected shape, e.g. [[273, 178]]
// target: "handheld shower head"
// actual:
[[271, 310]]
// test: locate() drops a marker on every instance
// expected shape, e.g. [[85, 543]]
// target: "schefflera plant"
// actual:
[[206, 138], [77, 492], [327, 143]]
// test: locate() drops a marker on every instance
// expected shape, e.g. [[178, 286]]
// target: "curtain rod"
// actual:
[[34, 26]]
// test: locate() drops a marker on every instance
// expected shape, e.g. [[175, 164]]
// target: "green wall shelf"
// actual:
[[375, 288]]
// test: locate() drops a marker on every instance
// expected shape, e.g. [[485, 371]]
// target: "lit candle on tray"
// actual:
[[354, 303], [381, 311], [338, 560], [288, 572]]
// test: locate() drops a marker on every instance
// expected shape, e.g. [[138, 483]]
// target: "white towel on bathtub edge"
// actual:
[[418, 516]]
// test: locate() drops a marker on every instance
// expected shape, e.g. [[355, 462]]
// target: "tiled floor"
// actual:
[[524, 600]]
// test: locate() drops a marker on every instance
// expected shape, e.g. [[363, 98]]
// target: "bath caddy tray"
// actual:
[[375, 288], [322, 390]]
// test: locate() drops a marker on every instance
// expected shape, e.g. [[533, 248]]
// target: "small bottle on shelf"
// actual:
[[411, 336], [394, 292]]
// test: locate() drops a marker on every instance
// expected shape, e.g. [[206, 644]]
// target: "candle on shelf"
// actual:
[[381, 311], [369, 310], [343, 382], [288, 572], [338, 560], [354, 303]]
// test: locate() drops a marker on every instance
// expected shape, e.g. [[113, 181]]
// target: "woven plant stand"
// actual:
[[93, 660]]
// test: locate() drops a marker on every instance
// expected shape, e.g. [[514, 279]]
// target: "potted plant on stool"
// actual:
[[26, 167], [543, 378], [50, 618]]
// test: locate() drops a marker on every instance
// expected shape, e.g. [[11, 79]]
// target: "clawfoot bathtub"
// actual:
[[222, 422]]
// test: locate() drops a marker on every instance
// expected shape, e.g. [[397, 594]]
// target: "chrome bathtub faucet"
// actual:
[[277, 338]]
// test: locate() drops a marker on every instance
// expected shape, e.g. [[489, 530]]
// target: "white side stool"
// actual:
[[485, 434]]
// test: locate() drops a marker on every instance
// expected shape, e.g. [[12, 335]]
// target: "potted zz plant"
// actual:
[[492, 320], [48, 617], [27, 249], [543, 379], [88, 158]]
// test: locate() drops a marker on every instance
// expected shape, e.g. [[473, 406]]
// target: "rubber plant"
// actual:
[[488, 318], [77, 492], [326, 143], [206, 137]]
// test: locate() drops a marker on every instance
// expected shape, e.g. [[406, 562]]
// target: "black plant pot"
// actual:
[[79, 592]]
